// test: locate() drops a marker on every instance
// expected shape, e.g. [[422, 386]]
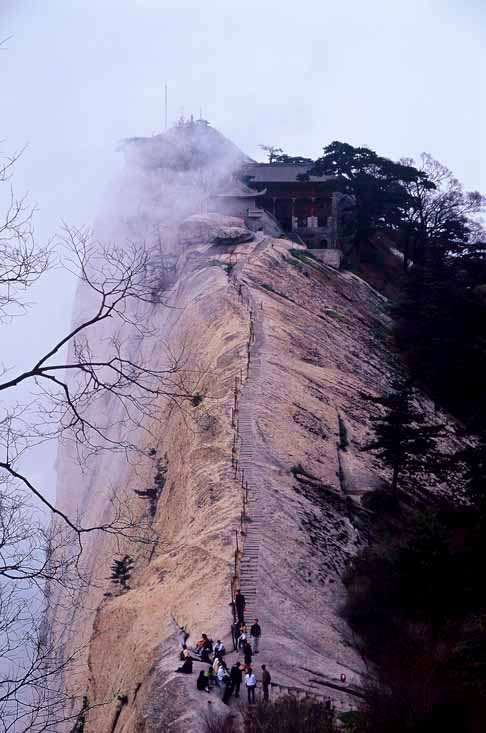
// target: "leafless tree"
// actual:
[[439, 214], [272, 152], [73, 378], [98, 388], [22, 261]]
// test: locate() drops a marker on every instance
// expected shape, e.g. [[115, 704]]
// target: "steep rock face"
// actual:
[[317, 339]]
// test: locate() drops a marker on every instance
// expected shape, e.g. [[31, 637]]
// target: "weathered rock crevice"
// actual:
[[307, 366]]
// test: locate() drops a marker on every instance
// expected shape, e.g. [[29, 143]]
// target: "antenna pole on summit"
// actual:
[[166, 106]]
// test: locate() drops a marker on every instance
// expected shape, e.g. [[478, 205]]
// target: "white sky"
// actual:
[[402, 76]]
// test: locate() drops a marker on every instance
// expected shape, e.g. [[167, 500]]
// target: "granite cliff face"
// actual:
[[316, 340]]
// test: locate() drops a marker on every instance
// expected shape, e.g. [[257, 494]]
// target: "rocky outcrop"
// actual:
[[213, 229], [303, 343]]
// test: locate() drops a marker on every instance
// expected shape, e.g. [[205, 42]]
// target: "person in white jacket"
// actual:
[[222, 672], [219, 648], [223, 678], [250, 682]]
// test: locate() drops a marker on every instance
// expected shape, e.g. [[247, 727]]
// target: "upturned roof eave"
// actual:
[[243, 195]]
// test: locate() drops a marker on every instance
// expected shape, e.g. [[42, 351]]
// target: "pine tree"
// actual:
[[441, 326], [402, 437], [121, 571], [153, 494], [473, 459]]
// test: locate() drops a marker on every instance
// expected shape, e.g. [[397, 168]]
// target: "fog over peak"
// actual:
[[77, 77]]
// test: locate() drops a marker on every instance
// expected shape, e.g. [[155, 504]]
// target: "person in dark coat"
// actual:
[[247, 654], [186, 667], [228, 689], [240, 606], [255, 633], [236, 678], [235, 633], [266, 679], [202, 682], [184, 654], [205, 657]]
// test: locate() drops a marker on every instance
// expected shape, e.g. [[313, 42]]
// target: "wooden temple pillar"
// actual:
[[292, 212]]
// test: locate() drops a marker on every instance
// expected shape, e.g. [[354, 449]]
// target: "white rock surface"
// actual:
[[213, 228]]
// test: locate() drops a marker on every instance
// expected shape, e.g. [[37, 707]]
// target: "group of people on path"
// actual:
[[242, 636], [217, 674]]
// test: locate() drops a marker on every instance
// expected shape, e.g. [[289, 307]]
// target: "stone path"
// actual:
[[249, 564], [252, 458], [248, 407]]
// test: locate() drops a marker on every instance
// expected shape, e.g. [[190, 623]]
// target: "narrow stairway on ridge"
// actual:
[[249, 464]]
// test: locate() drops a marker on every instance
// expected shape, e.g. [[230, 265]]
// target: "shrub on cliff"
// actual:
[[121, 571], [288, 715], [152, 495], [402, 438], [441, 328], [416, 600]]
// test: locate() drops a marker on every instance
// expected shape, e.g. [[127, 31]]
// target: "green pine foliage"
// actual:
[[441, 329], [402, 438], [288, 714], [473, 462], [121, 571], [152, 495], [416, 600], [378, 187]]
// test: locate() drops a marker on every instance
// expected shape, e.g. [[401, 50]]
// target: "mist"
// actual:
[[82, 95], [77, 78]]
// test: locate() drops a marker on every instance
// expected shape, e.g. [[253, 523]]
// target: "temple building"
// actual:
[[272, 197], [307, 208], [237, 199]]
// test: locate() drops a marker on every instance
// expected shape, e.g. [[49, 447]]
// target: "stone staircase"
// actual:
[[249, 464]]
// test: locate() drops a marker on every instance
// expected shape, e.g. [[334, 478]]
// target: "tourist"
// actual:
[[247, 654], [203, 643], [184, 653], [186, 667], [222, 671], [250, 682], [219, 648], [223, 676], [240, 606], [243, 636], [212, 678], [255, 633], [183, 634], [266, 679], [228, 689], [205, 657], [202, 681], [235, 633], [236, 678]]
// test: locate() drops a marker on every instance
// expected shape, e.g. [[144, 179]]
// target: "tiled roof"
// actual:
[[277, 173]]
